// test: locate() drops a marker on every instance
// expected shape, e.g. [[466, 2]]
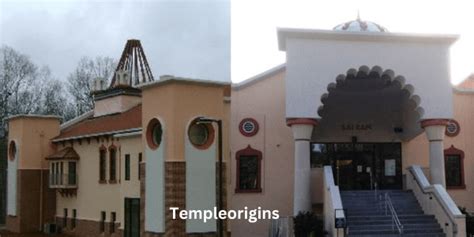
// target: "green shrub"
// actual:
[[307, 224]]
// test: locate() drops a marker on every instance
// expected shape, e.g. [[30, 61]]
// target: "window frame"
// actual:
[[140, 158], [209, 138], [248, 151], [74, 219], [112, 164], [113, 219], [103, 217], [453, 151], [102, 164], [65, 213], [127, 167]]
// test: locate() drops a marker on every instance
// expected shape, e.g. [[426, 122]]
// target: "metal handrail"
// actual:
[[393, 213]]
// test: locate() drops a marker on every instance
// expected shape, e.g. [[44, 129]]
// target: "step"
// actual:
[[412, 226], [397, 235], [366, 214], [384, 217], [390, 231]]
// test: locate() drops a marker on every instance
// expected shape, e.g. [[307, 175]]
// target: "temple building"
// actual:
[[360, 125]]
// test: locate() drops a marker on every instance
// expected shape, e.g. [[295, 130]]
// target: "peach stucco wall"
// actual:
[[176, 104], [115, 104], [93, 197], [263, 101], [33, 137]]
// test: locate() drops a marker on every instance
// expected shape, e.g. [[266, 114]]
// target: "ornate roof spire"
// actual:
[[133, 68]]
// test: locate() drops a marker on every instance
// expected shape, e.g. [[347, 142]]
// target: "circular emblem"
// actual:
[[248, 127], [453, 128]]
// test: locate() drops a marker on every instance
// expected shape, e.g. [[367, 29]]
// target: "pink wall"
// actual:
[[263, 101]]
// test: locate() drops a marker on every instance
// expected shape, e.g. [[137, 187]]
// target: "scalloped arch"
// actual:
[[376, 73]]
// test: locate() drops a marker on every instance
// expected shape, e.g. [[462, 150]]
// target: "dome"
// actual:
[[360, 25]]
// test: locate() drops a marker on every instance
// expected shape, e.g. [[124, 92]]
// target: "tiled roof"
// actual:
[[111, 123], [67, 153]]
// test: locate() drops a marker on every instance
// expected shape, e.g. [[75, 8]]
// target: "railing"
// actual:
[[63, 180], [332, 204], [435, 200], [395, 220]]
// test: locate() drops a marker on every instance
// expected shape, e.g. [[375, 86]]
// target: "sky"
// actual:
[[254, 24], [199, 38], [186, 38]]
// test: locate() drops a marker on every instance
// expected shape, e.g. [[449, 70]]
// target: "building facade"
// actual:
[[368, 104]]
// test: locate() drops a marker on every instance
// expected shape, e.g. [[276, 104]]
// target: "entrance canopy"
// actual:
[[387, 80]]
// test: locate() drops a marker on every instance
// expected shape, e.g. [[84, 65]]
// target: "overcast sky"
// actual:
[[191, 38], [187, 38], [254, 23]]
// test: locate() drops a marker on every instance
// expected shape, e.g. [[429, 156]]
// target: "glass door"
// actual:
[[361, 166]]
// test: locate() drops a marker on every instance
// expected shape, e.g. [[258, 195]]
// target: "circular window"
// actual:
[[154, 133], [201, 135], [248, 127], [12, 150], [452, 128]]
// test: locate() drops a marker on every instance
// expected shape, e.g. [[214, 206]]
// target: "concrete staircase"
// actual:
[[366, 215]]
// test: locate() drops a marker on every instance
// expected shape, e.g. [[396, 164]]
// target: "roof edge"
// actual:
[[170, 79], [462, 90], [259, 77], [284, 33], [77, 119], [39, 116], [97, 134]]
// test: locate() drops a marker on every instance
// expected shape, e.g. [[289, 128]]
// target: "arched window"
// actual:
[[102, 164], [249, 166], [112, 164], [454, 168]]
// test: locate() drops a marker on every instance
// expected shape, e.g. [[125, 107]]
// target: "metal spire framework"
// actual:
[[133, 61]]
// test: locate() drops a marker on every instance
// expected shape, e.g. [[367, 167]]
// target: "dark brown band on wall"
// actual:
[[309, 121], [433, 122]]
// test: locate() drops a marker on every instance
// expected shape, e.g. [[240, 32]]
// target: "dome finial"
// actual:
[[358, 14]]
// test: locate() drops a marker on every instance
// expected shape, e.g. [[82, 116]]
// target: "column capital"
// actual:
[[301, 121], [433, 122]]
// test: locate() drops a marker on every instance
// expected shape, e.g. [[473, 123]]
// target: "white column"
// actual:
[[434, 130], [302, 130]]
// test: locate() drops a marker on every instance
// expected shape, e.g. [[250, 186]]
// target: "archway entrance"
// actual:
[[365, 116]]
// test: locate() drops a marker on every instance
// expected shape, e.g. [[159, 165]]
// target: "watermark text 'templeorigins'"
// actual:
[[251, 215]]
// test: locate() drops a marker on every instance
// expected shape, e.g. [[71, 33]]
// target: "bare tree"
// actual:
[[17, 74], [80, 80]]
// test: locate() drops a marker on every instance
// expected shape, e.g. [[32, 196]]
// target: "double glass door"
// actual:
[[362, 166]]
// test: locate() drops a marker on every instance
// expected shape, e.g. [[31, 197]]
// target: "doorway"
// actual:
[[132, 217], [361, 166]]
